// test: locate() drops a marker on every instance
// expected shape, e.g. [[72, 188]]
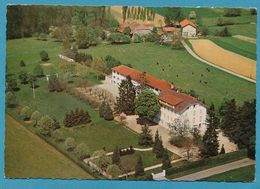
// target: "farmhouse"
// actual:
[[188, 28], [174, 105], [136, 28]]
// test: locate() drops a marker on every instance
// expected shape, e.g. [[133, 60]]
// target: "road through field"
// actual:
[[217, 170], [211, 52]]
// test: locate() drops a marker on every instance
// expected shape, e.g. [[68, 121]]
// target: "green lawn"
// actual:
[[98, 134], [248, 30], [177, 66], [28, 156], [238, 46], [243, 174]]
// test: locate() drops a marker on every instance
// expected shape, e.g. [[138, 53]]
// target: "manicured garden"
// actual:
[[243, 174], [182, 69], [27, 156]]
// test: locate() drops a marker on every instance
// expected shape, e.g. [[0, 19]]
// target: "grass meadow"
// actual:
[[28, 156]]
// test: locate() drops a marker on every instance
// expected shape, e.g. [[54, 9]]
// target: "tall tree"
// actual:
[[116, 156], [210, 139], [126, 99], [166, 161], [172, 15], [229, 118], [147, 105], [145, 137], [139, 168]]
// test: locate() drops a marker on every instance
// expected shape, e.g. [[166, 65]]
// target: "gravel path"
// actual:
[[245, 38], [217, 170]]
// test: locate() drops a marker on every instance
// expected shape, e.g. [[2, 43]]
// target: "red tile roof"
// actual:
[[180, 101], [186, 22], [134, 26], [137, 76], [169, 29]]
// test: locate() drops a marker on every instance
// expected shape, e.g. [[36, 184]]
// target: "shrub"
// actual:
[[70, 144], [23, 77], [152, 37], [111, 62], [10, 100], [105, 111], [204, 31], [223, 33], [26, 113], [12, 84], [22, 63], [103, 160], [38, 71], [126, 151], [54, 84], [35, 117], [58, 135], [137, 39], [46, 125], [82, 151], [83, 58], [44, 56], [119, 38], [76, 117], [113, 170], [36, 34], [42, 37], [232, 12]]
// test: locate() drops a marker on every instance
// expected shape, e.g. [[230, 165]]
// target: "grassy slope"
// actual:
[[207, 17], [243, 174], [243, 48], [144, 56], [27, 156]]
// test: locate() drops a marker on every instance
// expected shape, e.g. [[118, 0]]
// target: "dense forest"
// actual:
[[24, 21]]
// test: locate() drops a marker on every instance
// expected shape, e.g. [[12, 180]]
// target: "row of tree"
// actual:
[[24, 21]]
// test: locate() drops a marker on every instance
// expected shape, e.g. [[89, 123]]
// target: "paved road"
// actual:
[[190, 51], [217, 170]]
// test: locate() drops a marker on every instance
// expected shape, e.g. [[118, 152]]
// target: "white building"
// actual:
[[188, 28], [174, 105]]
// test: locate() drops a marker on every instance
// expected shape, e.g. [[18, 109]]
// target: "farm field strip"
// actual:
[[28, 156], [211, 52]]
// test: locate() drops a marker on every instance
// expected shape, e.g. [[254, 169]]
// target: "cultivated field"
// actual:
[[211, 52], [28, 156], [236, 45], [117, 13]]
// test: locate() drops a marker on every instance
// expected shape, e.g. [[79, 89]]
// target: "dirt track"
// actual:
[[211, 52], [117, 13]]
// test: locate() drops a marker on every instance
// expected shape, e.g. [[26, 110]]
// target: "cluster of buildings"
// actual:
[[186, 27], [174, 105]]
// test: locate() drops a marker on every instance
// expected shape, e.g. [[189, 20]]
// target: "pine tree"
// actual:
[[229, 119], [145, 138], [222, 151], [210, 138], [166, 161], [126, 99], [22, 63], [108, 114], [156, 142], [160, 149], [139, 168], [116, 156]]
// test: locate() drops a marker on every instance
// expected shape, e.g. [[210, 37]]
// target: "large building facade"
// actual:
[[174, 105]]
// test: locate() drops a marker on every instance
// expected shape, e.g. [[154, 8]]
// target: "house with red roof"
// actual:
[[136, 28], [174, 105], [188, 28]]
